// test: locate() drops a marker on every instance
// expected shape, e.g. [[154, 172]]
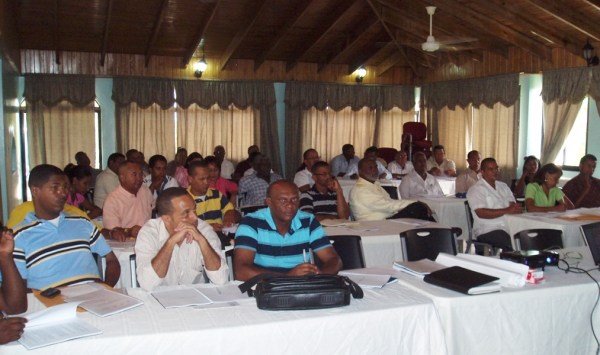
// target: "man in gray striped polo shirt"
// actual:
[[325, 199]]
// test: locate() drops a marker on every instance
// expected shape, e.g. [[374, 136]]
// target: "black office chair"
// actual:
[[100, 263], [249, 209], [392, 191], [229, 258], [539, 239], [427, 243], [470, 240], [349, 249], [133, 272]]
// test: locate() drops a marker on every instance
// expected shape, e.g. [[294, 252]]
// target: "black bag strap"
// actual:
[[355, 289]]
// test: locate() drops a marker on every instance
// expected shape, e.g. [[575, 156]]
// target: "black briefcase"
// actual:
[[274, 292]]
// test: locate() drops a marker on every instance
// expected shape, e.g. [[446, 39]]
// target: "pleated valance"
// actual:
[[571, 85], [144, 92], [482, 91], [241, 94], [50, 90]]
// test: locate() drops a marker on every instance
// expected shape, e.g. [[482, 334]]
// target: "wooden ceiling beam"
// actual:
[[156, 30], [106, 30], [56, 34], [209, 14], [252, 12], [594, 3], [358, 31], [389, 63], [326, 24], [368, 52], [298, 12], [569, 16]]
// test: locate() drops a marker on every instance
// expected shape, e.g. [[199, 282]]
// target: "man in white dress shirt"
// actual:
[[419, 182], [470, 177], [341, 163], [490, 200], [438, 165], [178, 248], [303, 179], [108, 180], [401, 166], [370, 154], [227, 167]]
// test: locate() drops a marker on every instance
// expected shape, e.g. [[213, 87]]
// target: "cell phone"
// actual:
[[50, 292]]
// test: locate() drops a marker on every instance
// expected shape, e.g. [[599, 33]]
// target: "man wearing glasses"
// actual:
[[303, 178], [325, 199]]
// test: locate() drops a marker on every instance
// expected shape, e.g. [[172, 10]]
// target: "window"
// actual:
[[575, 145]]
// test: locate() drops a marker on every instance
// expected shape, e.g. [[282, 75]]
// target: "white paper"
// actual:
[[510, 274], [334, 222], [415, 224], [418, 268], [358, 227], [225, 293], [78, 290], [53, 314], [230, 230], [105, 302], [180, 298], [367, 280], [217, 305]]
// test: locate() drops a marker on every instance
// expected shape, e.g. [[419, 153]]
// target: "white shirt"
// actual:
[[169, 182], [483, 195], [304, 177], [467, 179], [446, 164], [186, 265], [413, 185], [395, 168], [353, 169], [227, 169], [369, 201], [340, 164], [106, 183]]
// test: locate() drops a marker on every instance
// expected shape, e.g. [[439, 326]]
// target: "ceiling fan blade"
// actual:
[[458, 40]]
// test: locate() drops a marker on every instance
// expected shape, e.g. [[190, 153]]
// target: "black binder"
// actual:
[[463, 280]]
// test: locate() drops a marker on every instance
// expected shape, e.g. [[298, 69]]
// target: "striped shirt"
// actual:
[[50, 256], [274, 252], [315, 202], [213, 207]]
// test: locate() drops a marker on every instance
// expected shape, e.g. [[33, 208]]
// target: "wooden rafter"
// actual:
[[594, 3], [253, 11], [105, 34], [569, 16], [289, 24], [209, 14], [328, 22], [369, 51], [56, 34], [156, 30]]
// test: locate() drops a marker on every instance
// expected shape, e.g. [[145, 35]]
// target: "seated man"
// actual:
[[177, 248], [158, 180], [211, 205], [245, 165], [227, 168], [489, 200], [419, 182], [130, 206], [274, 239], [326, 198], [401, 166], [303, 178], [438, 165], [255, 186], [370, 154], [341, 163], [369, 201], [584, 189], [82, 159], [61, 245], [470, 177], [13, 293], [108, 180]]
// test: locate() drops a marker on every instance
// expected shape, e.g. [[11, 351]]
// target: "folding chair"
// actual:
[[470, 241], [427, 243], [133, 273], [349, 249], [539, 239]]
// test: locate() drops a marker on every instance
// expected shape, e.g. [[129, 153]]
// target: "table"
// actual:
[[392, 320], [381, 247], [447, 185], [122, 251], [450, 211]]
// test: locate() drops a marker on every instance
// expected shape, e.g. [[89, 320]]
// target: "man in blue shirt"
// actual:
[[278, 239], [55, 249]]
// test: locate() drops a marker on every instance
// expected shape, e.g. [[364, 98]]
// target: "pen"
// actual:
[[304, 255], [310, 255]]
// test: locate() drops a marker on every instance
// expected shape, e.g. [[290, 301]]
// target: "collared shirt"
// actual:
[[483, 195], [181, 175], [413, 185], [536, 192], [51, 256], [274, 252], [395, 168], [353, 169], [106, 183], [187, 263], [18, 214], [304, 177], [125, 210], [213, 207], [340, 164], [467, 179], [224, 186], [446, 164], [577, 185], [242, 167], [227, 169], [316, 202], [167, 183], [75, 200], [255, 188], [369, 201]]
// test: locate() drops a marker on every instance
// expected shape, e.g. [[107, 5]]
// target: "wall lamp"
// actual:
[[588, 54], [200, 67], [360, 74]]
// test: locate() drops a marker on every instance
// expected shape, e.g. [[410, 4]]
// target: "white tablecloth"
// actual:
[[381, 247], [392, 320], [450, 211], [448, 185], [122, 252]]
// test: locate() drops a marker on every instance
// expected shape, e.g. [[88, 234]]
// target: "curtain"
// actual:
[[390, 127], [455, 132], [200, 130], [495, 134]]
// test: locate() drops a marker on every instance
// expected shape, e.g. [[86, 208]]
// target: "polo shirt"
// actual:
[[413, 185], [315, 202], [168, 182], [304, 177], [340, 164], [274, 252], [50, 256], [214, 206], [125, 210], [483, 195], [395, 168], [20, 212], [536, 192], [446, 164]]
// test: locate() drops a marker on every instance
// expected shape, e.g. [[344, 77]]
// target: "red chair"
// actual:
[[387, 154], [414, 139]]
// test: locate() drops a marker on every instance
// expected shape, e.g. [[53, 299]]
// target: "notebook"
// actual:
[[463, 280]]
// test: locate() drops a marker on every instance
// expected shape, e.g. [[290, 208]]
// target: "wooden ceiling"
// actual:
[[379, 33]]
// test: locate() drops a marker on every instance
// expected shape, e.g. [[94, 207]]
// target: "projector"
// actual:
[[532, 258]]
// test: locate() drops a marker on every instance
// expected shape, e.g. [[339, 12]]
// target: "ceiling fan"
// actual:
[[431, 45]]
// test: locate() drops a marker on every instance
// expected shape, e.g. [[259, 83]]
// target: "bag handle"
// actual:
[[355, 289], [247, 286]]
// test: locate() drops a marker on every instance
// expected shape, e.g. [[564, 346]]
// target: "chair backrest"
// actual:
[[349, 249], [392, 191], [427, 243], [101, 264], [229, 258], [387, 154], [469, 215], [539, 239], [249, 209], [240, 199], [133, 272], [418, 130]]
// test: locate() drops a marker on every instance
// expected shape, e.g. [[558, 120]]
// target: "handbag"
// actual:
[[276, 292]]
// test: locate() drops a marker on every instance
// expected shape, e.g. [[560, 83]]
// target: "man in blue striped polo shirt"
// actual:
[[278, 239]]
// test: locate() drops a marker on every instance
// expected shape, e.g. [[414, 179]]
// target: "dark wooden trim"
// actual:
[[105, 35], [569, 16], [211, 9], [155, 30]]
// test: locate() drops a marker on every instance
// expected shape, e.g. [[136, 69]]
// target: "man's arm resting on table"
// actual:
[[113, 269], [244, 269], [490, 213], [331, 261], [13, 298]]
